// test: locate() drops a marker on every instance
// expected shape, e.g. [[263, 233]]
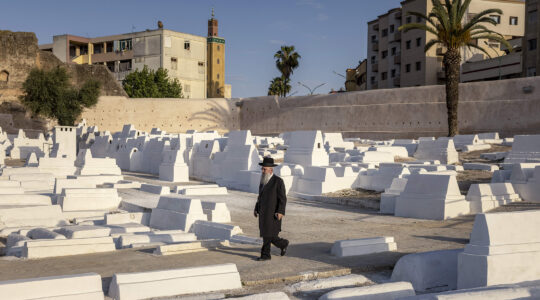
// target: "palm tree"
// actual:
[[287, 61], [279, 86], [445, 21]]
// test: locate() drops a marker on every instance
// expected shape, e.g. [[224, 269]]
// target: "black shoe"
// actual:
[[263, 258], [284, 249]]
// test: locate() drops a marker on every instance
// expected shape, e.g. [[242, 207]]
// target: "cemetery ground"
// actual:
[[312, 226]]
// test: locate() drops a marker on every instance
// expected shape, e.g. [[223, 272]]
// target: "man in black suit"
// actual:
[[270, 209]]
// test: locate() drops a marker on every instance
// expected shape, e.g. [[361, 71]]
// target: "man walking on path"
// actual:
[[270, 209]]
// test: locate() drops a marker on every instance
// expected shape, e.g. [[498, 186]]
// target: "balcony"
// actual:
[[121, 75], [375, 67], [398, 16], [397, 59], [375, 46], [110, 56], [397, 36]]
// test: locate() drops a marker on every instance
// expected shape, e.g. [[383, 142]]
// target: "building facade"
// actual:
[[398, 59], [356, 79], [531, 41], [189, 58]]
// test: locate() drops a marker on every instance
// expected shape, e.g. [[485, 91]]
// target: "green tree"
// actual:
[[446, 23], [279, 87], [50, 94], [286, 61], [148, 83]]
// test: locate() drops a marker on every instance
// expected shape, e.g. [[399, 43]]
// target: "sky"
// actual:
[[329, 35]]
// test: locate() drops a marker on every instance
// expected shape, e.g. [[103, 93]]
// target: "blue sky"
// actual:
[[329, 35]]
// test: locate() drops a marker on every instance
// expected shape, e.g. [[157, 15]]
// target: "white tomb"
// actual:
[[88, 165], [526, 148], [32, 216], [83, 231], [503, 249], [488, 196], [173, 168], [381, 178], [306, 148], [31, 160], [363, 246], [213, 230], [216, 212], [319, 180], [441, 149], [202, 160], [174, 212], [59, 166], [383, 291], [53, 248], [84, 199], [172, 282], [151, 238], [428, 196], [388, 198]]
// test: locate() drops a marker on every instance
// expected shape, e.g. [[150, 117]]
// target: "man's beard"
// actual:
[[265, 177]]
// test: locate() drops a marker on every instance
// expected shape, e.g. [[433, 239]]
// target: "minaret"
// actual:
[[215, 61]]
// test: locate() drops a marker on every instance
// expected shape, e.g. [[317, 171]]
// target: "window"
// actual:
[[187, 45], [393, 51], [392, 28], [418, 42], [201, 67], [384, 54], [373, 58], [418, 66], [218, 48], [531, 71], [408, 68], [218, 61], [532, 44], [372, 79], [384, 75], [418, 19], [533, 16], [408, 45], [124, 45], [174, 63], [109, 46], [393, 73], [187, 88], [384, 32], [496, 18], [513, 20], [408, 20], [124, 65], [373, 38], [98, 48], [217, 75]]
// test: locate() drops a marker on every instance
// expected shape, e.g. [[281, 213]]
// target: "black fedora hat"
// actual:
[[268, 162]]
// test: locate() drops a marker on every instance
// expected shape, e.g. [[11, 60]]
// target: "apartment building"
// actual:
[[531, 41], [197, 62], [398, 59]]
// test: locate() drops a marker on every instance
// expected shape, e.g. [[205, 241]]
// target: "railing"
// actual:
[[121, 75]]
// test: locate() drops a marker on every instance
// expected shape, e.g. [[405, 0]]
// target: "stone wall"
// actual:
[[508, 106], [171, 115]]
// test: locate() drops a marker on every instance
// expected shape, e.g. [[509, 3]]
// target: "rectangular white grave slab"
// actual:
[[59, 166], [143, 285], [173, 168], [155, 189], [83, 231], [88, 165], [480, 166], [24, 199], [127, 228], [216, 212], [488, 196], [503, 249], [127, 240], [432, 271], [32, 216], [52, 248], [168, 219], [523, 290], [71, 183], [85, 199], [394, 290], [188, 247], [213, 230], [363, 246], [435, 197], [77, 287], [127, 217], [188, 191]]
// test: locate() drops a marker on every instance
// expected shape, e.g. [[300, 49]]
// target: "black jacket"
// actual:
[[272, 199]]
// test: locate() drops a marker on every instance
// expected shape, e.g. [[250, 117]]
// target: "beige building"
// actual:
[[356, 78], [398, 59], [186, 57], [531, 41]]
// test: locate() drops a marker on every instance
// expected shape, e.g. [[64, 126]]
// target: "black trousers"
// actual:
[[276, 240]]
